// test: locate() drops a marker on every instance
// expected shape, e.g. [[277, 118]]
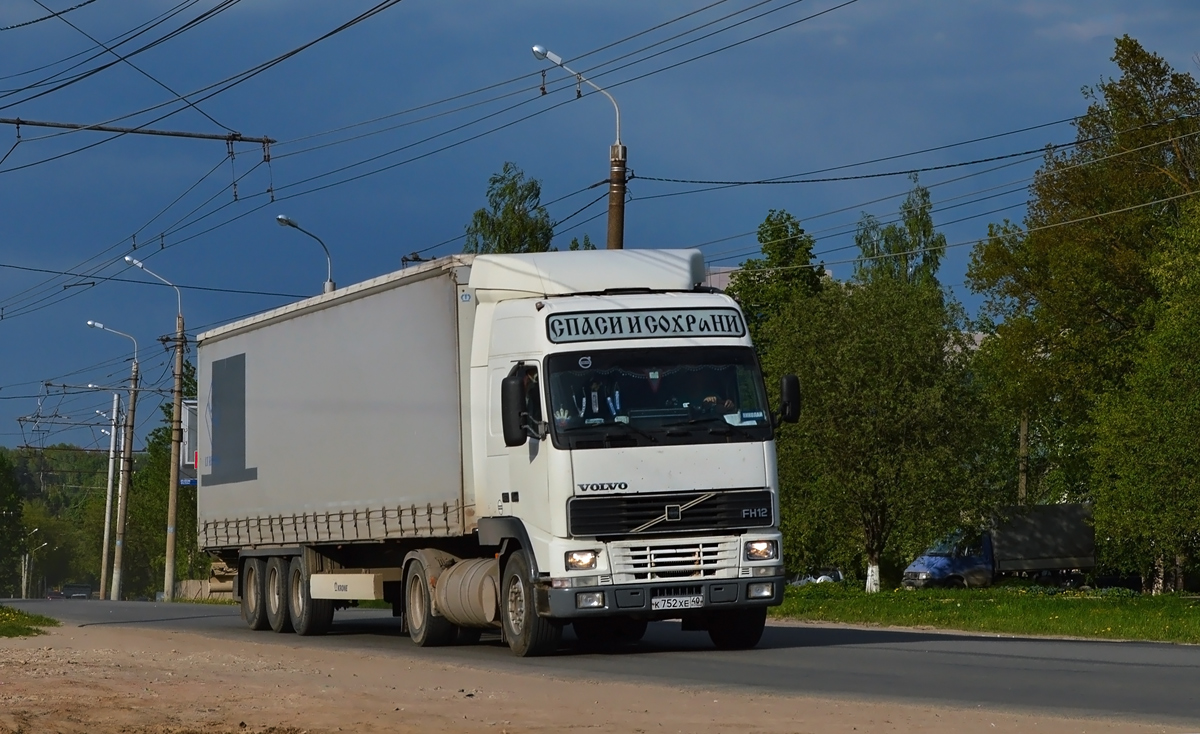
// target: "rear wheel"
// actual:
[[528, 634], [276, 595], [737, 629], [309, 616], [254, 611], [425, 629]]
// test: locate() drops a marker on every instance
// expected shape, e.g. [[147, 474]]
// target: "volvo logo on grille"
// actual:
[[603, 487], [673, 513]]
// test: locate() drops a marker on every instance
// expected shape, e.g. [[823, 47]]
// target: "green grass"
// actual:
[[1104, 613], [15, 623]]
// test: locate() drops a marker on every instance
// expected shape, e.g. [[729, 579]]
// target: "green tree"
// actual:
[[785, 273], [11, 534], [514, 219], [1071, 296], [909, 250], [1147, 467], [577, 245]]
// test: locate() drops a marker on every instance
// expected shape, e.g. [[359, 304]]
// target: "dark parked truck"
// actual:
[[1022, 539], [502, 442]]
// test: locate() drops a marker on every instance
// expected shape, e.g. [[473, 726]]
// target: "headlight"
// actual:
[[923, 576], [581, 560], [761, 550]]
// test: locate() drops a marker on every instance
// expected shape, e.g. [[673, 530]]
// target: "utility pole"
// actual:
[[1023, 458], [176, 445], [616, 197], [176, 431], [123, 490], [108, 494]]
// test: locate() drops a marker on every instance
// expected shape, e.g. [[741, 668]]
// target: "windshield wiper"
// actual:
[[612, 430], [728, 427]]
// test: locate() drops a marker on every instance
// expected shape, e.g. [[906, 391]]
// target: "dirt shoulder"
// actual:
[[103, 680]]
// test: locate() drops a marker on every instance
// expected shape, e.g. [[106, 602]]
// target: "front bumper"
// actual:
[[635, 599]]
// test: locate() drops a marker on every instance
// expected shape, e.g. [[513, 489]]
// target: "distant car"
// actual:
[[77, 591], [55, 594]]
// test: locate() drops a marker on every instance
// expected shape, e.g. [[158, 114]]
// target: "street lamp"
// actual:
[[176, 433], [617, 158], [27, 566], [126, 465], [286, 221]]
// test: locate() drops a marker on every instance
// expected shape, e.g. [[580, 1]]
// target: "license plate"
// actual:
[[677, 602]]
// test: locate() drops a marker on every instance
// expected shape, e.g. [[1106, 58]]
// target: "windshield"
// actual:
[[654, 396]]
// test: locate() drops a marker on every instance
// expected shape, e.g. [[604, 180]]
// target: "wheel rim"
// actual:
[[273, 590], [416, 602], [516, 605], [297, 594], [252, 599]]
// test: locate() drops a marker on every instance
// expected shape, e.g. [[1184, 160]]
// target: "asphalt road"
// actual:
[[1141, 681]]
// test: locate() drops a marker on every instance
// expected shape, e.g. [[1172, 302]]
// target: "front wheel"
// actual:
[[528, 634], [737, 629]]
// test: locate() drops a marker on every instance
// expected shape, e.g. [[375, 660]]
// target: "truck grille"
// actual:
[[627, 514], [664, 560]]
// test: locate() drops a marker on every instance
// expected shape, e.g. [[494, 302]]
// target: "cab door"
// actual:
[[520, 471]]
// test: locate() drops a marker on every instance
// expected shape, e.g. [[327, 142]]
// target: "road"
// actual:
[[1143, 681]]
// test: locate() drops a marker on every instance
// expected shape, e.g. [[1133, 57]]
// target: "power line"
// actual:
[[964, 243], [53, 14], [138, 69], [115, 279]]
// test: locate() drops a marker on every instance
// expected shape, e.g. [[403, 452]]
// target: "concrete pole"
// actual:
[[616, 197], [123, 489], [25, 576], [176, 445], [108, 494]]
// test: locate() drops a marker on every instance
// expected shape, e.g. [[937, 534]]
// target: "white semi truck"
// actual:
[[498, 442]]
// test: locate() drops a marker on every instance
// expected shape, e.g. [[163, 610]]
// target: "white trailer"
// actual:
[[511, 442]]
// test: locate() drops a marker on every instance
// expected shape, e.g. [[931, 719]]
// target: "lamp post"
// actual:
[[126, 463], [112, 456], [25, 566], [176, 433], [286, 221], [616, 157]]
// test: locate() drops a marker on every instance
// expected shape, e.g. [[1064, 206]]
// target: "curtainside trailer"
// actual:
[[511, 443]]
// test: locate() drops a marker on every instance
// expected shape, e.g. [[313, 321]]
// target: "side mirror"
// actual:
[[789, 399], [512, 411]]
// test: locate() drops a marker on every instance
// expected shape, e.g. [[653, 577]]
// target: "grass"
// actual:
[[1117, 614], [15, 623]]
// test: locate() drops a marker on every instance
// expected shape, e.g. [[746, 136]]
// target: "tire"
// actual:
[[955, 582], [309, 616], [254, 608], [739, 629], [528, 634], [276, 592], [423, 627]]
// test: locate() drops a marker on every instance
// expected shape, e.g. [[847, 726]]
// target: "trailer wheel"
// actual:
[[737, 629], [425, 629], [309, 616], [276, 588], [254, 611], [528, 634]]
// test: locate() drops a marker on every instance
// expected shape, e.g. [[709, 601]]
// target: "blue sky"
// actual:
[[872, 79]]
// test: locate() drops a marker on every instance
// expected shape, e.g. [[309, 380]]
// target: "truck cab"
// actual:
[[624, 429]]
